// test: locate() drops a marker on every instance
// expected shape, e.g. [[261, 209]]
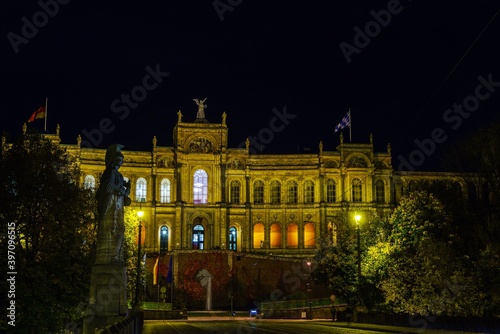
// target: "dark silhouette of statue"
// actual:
[[112, 196]]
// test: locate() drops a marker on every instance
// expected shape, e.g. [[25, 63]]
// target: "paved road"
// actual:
[[252, 326]]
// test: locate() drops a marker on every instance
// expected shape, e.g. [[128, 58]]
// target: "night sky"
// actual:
[[399, 66]]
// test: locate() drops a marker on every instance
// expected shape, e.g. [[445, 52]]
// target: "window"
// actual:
[[198, 237], [309, 192], [292, 192], [89, 182], [309, 236], [232, 238], [331, 191], [258, 236], [165, 191], [275, 235], [140, 190], [380, 191], [292, 236], [275, 192], [200, 187], [235, 192], [258, 192], [163, 239], [356, 190]]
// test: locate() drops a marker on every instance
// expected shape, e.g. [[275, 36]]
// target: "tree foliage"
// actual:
[[54, 223]]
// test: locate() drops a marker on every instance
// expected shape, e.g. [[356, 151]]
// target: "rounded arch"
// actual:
[[200, 186], [357, 160], [258, 235], [141, 189], [292, 235], [309, 235], [275, 234]]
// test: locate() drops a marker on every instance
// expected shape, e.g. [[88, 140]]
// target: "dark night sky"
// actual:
[[261, 55]]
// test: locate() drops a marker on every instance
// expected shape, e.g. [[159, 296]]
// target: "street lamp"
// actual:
[[309, 288], [140, 213], [358, 287]]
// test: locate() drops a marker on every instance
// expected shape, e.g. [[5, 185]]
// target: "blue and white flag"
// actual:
[[346, 121]]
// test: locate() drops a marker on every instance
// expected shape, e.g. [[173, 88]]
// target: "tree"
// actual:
[[424, 273], [53, 224]]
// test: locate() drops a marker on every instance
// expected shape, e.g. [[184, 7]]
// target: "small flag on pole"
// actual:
[[39, 113], [346, 121], [156, 271]]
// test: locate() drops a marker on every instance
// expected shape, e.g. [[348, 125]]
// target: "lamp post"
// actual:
[[358, 285], [140, 213], [309, 289]]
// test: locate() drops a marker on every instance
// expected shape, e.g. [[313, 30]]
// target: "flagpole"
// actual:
[[46, 112], [350, 125]]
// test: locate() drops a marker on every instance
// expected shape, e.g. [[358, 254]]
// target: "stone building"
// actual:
[[200, 194]]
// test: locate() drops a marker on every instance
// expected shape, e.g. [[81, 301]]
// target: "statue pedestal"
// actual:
[[108, 296]]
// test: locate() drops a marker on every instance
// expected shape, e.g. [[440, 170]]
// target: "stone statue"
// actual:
[[112, 196], [179, 116], [201, 107], [224, 115]]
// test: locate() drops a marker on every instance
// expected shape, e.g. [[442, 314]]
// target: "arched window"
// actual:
[[292, 236], [258, 236], [163, 239], [198, 237], [275, 192], [380, 191], [200, 187], [258, 192], [165, 191], [309, 236], [331, 191], [235, 192], [275, 235], [292, 192], [89, 182], [357, 193], [232, 238], [140, 190], [309, 192]]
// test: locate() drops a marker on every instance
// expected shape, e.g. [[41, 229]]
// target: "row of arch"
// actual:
[[289, 193], [275, 236]]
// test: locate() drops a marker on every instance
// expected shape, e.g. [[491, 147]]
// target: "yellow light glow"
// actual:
[[140, 213], [357, 217]]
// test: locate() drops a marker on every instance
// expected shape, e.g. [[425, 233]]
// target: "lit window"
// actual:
[[235, 192], [200, 187], [357, 190], [258, 236], [275, 192], [165, 191], [275, 236], [140, 190], [89, 182], [309, 192], [292, 236], [198, 237], [292, 192], [258, 192], [331, 191], [163, 239], [309, 235], [232, 238]]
